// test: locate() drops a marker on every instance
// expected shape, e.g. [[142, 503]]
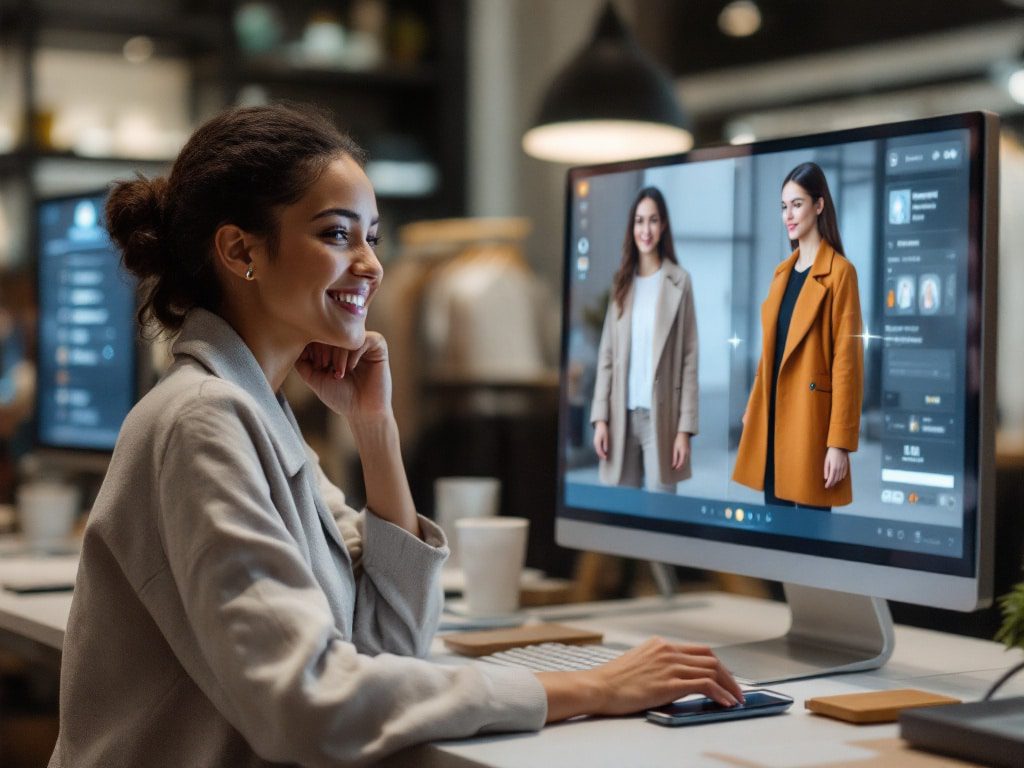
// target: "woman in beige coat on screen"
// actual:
[[645, 399]]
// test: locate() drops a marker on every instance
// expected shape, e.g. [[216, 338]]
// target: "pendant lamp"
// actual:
[[612, 102]]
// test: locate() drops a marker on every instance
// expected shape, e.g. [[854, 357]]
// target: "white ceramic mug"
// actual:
[[493, 552], [47, 512], [459, 497]]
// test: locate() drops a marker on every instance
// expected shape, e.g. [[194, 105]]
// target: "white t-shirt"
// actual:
[[641, 342]]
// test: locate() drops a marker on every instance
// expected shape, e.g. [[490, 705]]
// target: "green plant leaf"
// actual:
[[1011, 633]]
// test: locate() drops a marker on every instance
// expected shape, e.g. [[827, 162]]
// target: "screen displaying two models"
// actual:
[[86, 328], [901, 213]]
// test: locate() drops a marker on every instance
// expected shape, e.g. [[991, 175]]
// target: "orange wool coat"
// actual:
[[820, 384]]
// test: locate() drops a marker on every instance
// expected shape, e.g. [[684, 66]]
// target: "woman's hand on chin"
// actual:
[[354, 383]]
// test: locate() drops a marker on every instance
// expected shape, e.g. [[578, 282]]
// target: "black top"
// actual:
[[793, 287]]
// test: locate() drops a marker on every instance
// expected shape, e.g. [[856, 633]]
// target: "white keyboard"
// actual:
[[554, 657]]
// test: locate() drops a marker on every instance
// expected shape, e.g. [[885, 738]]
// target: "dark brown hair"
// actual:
[[812, 179], [239, 168], [623, 279]]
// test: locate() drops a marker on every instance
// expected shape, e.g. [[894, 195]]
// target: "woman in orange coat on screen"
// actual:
[[803, 416]]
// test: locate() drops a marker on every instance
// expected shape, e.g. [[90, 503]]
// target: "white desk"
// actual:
[[933, 661], [33, 625]]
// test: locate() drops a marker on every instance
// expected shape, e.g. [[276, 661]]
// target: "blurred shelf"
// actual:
[[421, 101], [544, 382], [201, 31], [20, 160], [276, 72]]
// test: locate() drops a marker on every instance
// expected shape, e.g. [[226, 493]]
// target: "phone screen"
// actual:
[[753, 700]]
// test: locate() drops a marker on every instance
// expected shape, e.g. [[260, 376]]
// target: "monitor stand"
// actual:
[[665, 578], [831, 633]]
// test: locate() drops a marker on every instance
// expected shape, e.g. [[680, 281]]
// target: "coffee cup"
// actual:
[[459, 497], [493, 552], [47, 512]]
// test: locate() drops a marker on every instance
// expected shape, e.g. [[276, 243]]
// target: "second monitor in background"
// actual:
[[88, 371]]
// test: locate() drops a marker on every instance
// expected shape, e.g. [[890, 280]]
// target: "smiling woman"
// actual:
[[230, 607]]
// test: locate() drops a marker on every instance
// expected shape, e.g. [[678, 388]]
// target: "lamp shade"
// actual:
[[612, 102]]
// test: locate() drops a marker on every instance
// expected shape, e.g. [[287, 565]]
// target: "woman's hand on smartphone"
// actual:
[[354, 383], [649, 675]]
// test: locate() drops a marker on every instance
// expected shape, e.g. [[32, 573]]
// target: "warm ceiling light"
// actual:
[[1015, 85], [612, 102], [138, 49], [600, 141], [740, 18]]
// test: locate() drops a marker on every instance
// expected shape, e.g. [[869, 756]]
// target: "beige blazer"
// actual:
[[232, 610], [674, 400]]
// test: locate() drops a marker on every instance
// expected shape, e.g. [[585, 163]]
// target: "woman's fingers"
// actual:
[[601, 440], [836, 468], [659, 671], [700, 664], [679, 455], [712, 689]]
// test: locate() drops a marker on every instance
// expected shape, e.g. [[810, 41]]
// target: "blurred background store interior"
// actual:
[[441, 93]]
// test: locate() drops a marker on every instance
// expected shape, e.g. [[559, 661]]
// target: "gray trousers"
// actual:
[[640, 454]]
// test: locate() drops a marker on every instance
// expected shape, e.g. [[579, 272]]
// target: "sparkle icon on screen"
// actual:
[[866, 337], [735, 341]]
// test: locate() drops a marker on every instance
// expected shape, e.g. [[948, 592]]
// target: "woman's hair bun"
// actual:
[[135, 214]]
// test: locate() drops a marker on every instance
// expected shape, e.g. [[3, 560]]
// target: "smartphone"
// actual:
[[758, 702]]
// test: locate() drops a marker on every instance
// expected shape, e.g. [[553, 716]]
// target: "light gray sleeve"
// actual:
[[398, 577], [260, 640]]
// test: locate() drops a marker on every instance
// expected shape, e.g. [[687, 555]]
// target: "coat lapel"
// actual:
[[668, 305], [210, 340], [770, 308], [809, 301], [313, 483]]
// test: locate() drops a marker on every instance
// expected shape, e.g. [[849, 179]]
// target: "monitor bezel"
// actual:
[[74, 456], [962, 583]]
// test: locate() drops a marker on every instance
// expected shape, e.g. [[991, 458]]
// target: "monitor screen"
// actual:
[[730, 402], [87, 330]]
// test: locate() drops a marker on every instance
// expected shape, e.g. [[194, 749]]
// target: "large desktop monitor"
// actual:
[[87, 374], [916, 211]]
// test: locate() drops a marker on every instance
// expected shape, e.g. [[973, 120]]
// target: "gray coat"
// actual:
[[674, 399], [232, 610]]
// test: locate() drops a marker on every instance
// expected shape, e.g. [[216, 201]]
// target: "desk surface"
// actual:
[[39, 618], [949, 664]]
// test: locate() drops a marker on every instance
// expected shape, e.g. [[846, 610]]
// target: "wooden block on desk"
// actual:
[[493, 640], [547, 591], [875, 707]]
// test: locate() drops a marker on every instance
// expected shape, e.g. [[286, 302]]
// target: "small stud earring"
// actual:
[[250, 273]]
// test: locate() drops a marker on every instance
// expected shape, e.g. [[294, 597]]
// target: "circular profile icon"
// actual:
[[85, 215]]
